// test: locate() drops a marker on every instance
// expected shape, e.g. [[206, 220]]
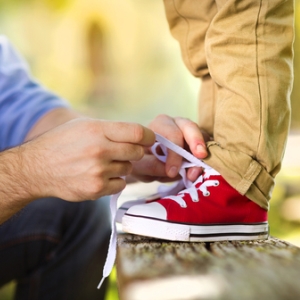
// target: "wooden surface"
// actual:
[[151, 269]]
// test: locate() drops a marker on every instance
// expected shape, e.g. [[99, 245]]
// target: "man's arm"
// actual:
[[51, 120], [16, 190]]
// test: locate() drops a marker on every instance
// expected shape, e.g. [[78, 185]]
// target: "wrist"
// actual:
[[15, 174], [17, 184]]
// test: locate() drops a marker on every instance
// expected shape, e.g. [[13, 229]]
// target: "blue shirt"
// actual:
[[22, 100]]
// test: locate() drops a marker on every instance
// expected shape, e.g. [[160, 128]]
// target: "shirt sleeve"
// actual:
[[22, 100]]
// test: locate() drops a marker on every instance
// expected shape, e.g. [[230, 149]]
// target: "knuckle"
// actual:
[[90, 127], [175, 136], [186, 123], [119, 186], [191, 125], [138, 133], [94, 151], [116, 187], [162, 116], [134, 152], [159, 119], [128, 169], [97, 187], [139, 153], [125, 169]]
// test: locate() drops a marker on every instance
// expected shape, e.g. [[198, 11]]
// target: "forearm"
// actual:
[[50, 120], [17, 189]]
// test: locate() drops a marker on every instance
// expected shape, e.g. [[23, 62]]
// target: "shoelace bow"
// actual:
[[191, 161]]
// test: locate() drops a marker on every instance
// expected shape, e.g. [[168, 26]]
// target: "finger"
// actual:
[[149, 166], [174, 160], [118, 169], [120, 151], [125, 151], [194, 173], [147, 150], [148, 179], [123, 132], [151, 169], [114, 186], [166, 126], [193, 136]]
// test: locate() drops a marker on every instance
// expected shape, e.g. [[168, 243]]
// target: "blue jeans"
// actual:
[[56, 249]]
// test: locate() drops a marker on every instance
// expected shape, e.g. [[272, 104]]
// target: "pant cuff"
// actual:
[[242, 172]]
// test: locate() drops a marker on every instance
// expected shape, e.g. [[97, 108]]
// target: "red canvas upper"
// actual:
[[224, 205]]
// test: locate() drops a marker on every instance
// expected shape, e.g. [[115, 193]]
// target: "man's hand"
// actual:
[[85, 158], [78, 160], [183, 132]]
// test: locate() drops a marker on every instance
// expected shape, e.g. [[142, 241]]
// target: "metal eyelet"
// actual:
[[206, 194], [216, 183]]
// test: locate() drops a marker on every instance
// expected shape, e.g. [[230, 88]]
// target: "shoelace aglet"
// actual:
[[100, 283]]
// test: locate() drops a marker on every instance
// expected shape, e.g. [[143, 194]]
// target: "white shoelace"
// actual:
[[192, 190], [191, 161]]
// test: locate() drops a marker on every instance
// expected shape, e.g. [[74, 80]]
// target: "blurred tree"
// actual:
[[101, 87]]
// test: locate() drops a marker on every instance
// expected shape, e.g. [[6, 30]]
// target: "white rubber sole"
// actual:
[[194, 233]]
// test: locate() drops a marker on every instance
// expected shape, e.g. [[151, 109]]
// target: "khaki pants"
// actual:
[[242, 51]]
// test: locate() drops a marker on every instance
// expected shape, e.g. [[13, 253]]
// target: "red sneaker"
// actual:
[[210, 210]]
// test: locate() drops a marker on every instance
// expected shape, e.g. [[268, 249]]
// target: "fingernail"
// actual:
[[173, 171], [201, 148]]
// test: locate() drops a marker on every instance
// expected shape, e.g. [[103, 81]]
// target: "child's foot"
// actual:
[[210, 210]]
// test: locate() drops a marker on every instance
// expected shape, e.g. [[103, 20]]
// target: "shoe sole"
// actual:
[[194, 233]]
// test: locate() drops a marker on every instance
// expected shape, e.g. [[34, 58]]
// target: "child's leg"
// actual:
[[249, 54], [248, 49], [189, 21]]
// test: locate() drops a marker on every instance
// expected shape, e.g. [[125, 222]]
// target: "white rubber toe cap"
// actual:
[[152, 210]]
